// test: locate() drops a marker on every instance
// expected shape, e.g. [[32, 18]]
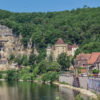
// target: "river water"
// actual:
[[34, 91]]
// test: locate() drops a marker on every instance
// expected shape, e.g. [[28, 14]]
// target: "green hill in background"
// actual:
[[81, 26]]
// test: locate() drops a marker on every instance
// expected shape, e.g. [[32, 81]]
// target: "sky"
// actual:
[[45, 5]]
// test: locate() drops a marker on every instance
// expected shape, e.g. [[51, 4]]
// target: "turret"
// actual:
[[49, 50]]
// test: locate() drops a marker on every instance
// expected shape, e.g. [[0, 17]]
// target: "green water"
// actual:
[[34, 91]]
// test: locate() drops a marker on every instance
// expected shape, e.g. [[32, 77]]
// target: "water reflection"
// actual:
[[33, 91]]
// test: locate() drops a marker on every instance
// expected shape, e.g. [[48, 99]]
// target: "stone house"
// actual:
[[82, 60], [94, 61], [61, 47], [88, 61]]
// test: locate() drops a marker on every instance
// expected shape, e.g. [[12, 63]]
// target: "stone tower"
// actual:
[[49, 51], [60, 47]]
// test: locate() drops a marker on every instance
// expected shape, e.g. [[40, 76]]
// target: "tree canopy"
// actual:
[[81, 26], [64, 61]]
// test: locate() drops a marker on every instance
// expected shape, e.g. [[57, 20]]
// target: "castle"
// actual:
[[61, 47]]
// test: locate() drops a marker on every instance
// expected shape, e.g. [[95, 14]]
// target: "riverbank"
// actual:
[[82, 91]]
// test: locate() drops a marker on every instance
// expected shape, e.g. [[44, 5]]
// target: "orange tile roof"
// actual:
[[94, 57], [83, 56], [74, 45]]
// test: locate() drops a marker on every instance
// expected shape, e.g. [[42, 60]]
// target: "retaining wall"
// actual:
[[94, 84], [85, 82], [69, 80]]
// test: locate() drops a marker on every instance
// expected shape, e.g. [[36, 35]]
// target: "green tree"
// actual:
[[32, 59], [53, 66], [12, 75], [50, 76], [50, 59], [18, 60], [64, 61], [11, 58], [24, 60]]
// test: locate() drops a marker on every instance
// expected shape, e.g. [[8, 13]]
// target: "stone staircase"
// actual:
[[76, 82]]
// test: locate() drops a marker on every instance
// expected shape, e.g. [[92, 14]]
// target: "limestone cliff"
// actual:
[[11, 44]]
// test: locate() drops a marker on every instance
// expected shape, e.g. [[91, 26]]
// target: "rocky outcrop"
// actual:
[[11, 44]]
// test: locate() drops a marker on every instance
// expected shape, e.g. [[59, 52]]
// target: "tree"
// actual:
[[50, 76], [12, 75], [42, 67], [50, 58], [32, 59], [18, 60], [24, 60], [64, 61], [53, 66], [11, 58]]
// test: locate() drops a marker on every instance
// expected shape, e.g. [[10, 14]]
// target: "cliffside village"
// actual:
[[11, 44], [86, 62]]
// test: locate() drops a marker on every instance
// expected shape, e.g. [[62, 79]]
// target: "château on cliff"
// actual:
[[61, 47]]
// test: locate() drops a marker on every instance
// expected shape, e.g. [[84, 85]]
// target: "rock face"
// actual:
[[11, 44], [6, 43]]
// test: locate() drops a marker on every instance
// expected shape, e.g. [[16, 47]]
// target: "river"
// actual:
[[34, 91]]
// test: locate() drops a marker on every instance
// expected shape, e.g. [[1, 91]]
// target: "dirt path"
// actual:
[[82, 91]]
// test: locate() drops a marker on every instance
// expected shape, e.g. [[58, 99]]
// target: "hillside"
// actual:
[[81, 26]]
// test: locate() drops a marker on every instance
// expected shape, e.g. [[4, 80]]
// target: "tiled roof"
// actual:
[[91, 58], [74, 45], [94, 57], [60, 41], [83, 56]]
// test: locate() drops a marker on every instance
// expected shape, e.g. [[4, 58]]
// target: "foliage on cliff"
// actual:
[[81, 26]]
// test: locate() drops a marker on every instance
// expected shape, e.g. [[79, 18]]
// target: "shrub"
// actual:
[[0, 76], [12, 75], [53, 66], [50, 76], [25, 74], [78, 97], [95, 71]]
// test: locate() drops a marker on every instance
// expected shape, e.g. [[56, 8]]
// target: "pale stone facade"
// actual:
[[11, 44], [61, 47]]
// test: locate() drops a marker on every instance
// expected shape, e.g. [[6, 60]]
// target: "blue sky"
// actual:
[[45, 5]]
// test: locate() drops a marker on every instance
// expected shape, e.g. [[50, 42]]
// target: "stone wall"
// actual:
[[85, 82], [69, 80], [94, 84], [66, 79]]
